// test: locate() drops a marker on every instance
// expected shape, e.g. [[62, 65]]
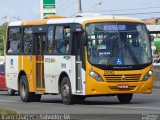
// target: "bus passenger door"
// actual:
[[40, 46]]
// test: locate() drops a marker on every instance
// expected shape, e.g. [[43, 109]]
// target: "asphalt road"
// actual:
[[142, 105]]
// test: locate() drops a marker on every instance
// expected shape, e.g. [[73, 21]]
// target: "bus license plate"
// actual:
[[123, 86]]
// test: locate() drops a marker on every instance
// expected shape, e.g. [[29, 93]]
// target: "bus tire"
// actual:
[[124, 98], [66, 92], [25, 95], [11, 92]]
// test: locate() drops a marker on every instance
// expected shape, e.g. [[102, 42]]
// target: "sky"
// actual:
[[30, 9]]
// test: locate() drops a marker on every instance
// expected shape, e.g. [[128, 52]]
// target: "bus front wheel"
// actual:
[[66, 93], [25, 95], [24, 89], [124, 98]]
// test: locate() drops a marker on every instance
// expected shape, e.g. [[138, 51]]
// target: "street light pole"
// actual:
[[79, 6]]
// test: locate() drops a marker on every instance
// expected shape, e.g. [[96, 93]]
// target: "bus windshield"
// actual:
[[118, 43]]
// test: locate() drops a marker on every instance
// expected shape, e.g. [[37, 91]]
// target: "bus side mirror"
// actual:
[[79, 31], [77, 28]]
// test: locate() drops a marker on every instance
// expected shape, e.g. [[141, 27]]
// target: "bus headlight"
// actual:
[[148, 75], [95, 75]]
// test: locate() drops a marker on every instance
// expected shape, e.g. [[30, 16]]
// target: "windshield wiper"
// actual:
[[132, 53], [115, 47], [112, 54]]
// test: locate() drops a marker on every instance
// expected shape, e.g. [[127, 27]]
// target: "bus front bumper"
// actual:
[[106, 88]]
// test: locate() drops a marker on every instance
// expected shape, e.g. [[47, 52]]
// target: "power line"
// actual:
[[136, 8], [61, 3], [98, 3], [156, 12], [70, 3], [73, 14], [142, 8], [128, 13], [64, 6]]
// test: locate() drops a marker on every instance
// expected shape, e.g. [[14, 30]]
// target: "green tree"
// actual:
[[3, 30], [157, 49]]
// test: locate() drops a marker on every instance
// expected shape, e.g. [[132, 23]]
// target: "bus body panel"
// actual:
[[54, 66], [83, 81], [27, 63], [17, 64], [12, 71]]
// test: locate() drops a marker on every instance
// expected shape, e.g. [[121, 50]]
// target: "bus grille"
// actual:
[[123, 78]]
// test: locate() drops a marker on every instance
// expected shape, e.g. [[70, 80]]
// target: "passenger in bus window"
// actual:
[[10, 50], [18, 47], [18, 50], [67, 33], [62, 47], [27, 48], [67, 48], [50, 49], [55, 48]]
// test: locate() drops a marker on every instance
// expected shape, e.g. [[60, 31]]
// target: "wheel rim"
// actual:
[[65, 91], [23, 89]]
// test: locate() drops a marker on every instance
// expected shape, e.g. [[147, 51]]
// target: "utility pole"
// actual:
[[79, 6]]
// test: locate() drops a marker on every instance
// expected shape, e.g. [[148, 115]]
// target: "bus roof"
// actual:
[[81, 20]]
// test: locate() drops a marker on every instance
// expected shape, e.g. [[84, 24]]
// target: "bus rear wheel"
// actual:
[[124, 98], [25, 95], [66, 93]]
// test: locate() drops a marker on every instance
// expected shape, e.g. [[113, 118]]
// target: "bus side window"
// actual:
[[61, 40], [50, 40], [58, 40], [14, 42], [27, 40], [67, 34]]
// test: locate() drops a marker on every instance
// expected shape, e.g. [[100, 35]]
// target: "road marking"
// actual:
[[8, 101], [153, 108]]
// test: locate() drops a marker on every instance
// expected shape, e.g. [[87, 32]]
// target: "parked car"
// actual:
[[2, 81], [2, 77], [156, 61]]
